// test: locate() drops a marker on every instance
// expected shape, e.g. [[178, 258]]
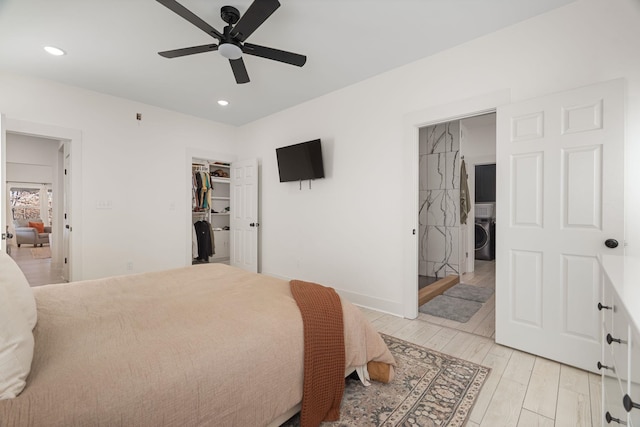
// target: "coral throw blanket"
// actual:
[[324, 354]]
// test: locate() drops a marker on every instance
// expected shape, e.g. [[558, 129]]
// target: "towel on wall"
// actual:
[[465, 201]]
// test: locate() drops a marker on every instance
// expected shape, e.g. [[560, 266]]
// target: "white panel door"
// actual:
[[244, 215], [559, 198], [4, 201]]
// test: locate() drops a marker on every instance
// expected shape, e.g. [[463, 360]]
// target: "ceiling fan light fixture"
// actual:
[[230, 51], [54, 50]]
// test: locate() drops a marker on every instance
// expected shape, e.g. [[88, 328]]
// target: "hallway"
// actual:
[[38, 271]]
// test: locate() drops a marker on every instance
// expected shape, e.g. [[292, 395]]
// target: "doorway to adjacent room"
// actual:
[[450, 155]]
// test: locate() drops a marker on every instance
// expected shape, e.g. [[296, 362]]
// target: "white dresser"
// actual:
[[620, 362]]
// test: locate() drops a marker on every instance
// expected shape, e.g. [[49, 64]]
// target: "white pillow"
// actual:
[[19, 292], [16, 347], [18, 317]]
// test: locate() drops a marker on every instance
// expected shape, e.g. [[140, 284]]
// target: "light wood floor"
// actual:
[[483, 322], [522, 390], [37, 271]]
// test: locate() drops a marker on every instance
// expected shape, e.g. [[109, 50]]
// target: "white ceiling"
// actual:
[[112, 47]]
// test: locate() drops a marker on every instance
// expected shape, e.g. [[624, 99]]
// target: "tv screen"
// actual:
[[300, 161]]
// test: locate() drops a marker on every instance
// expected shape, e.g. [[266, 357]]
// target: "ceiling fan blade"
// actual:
[[239, 70], [274, 54], [188, 51], [191, 17], [257, 13]]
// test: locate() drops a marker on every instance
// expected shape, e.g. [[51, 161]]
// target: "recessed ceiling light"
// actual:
[[54, 50], [223, 102]]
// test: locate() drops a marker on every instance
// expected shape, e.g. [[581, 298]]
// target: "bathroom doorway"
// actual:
[[449, 153]]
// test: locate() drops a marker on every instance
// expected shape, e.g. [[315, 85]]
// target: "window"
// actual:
[[26, 203]]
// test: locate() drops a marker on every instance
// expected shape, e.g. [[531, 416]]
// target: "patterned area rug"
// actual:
[[41, 253], [429, 389]]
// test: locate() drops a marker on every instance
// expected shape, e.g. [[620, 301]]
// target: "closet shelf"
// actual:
[[221, 214], [220, 180], [220, 198]]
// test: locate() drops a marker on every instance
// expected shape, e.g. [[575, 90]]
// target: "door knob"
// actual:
[[611, 243]]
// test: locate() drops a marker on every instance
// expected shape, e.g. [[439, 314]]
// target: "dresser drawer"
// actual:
[[617, 340], [606, 305], [634, 377], [612, 392], [620, 307]]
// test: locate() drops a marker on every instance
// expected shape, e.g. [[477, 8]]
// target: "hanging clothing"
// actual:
[[204, 236], [465, 197], [198, 188]]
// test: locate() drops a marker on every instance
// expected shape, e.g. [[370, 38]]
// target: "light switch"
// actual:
[[104, 204]]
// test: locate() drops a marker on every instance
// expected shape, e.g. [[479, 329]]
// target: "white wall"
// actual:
[[139, 167], [347, 231]]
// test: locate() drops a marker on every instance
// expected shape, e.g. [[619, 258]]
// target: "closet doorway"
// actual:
[[226, 209], [448, 261], [211, 211]]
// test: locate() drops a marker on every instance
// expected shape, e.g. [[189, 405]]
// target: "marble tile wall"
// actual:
[[439, 199]]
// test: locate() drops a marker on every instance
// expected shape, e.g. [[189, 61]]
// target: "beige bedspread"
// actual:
[[208, 345]]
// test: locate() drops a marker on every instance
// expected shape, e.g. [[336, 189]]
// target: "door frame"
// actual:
[[191, 155], [74, 138], [412, 122]]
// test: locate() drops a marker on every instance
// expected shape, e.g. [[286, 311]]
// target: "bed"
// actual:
[[196, 346]]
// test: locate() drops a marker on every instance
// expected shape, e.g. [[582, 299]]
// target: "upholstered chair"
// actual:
[[30, 235]]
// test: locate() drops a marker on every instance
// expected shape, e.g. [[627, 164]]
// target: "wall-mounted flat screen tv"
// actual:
[[300, 161]]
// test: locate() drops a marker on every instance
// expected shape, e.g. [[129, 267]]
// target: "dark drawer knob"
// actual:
[[600, 366], [629, 404], [610, 419], [611, 339], [611, 243], [603, 307]]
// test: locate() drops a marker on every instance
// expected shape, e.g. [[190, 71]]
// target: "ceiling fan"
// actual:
[[231, 42]]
